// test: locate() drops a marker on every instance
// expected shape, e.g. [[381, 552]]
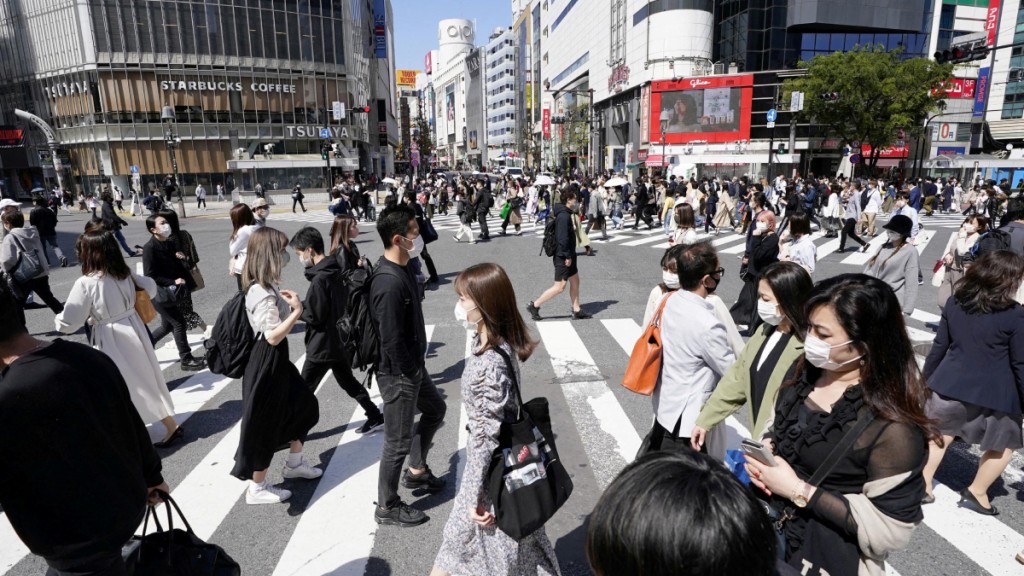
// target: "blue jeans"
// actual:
[[402, 396], [124, 243]]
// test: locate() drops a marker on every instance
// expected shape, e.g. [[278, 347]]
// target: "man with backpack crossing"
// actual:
[[322, 310], [560, 244], [405, 384]]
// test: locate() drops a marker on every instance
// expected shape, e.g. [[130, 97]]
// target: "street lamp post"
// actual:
[[173, 141]]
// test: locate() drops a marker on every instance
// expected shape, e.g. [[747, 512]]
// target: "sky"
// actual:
[[416, 21]]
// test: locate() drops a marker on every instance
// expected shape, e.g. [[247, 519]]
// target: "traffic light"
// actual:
[[323, 150], [782, 148], [830, 96], [963, 53], [360, 110]]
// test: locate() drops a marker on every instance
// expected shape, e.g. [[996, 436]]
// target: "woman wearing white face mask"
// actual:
[[762, 251], [759, 370], [500, 340], [857, 400], [164, 263], [958, 255], [896, 262]]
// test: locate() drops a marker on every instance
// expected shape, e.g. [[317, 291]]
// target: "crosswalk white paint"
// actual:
[[984, 539]]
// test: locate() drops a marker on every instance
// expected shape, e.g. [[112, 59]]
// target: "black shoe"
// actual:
[[178, 434], [427, 481], [581, 315], [967, 500], [371, 424], [400, 514], [928, 499], [534, 311], [193, 364], [63, 261]]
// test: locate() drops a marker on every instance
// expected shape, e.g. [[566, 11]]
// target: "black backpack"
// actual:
[[357, 331], [990, 241], [549, 245], [231, 341]]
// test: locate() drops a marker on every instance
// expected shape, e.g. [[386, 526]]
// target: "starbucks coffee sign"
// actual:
[[211, 86]]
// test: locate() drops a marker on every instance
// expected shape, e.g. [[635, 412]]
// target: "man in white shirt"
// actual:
[[871, 204], [696, 351]]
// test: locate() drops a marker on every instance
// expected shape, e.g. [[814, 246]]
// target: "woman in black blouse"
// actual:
[[762, 252], [858, 369]]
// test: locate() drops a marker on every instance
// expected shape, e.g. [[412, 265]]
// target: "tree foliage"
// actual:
[[880, 94], [424, 140]]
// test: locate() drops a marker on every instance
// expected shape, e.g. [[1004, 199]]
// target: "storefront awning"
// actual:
[[303, 161]]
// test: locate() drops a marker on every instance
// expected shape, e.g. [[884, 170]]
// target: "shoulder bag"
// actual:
[[174, 552], [28, 266], [197, 276], [644, 365], [526, 479], [143, 303]]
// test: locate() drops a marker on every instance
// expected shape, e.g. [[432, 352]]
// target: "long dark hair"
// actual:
[[791, 285], [870, 313], [241, 215], [489, 286], [98, 251], [990, 283]]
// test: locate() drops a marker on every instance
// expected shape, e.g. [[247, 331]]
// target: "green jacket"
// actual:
[[733, 391]]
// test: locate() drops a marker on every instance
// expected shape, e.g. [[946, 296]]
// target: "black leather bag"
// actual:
[[526, 479], [175, 552]]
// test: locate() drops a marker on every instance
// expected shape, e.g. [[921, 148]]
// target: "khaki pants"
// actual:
[[929, 205], [867, 219]]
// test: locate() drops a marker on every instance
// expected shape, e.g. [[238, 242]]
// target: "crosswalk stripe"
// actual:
[[647, 240], [985, 540], [859, 258], [13, 550], [923, 316], [608, 436], [349, 483]]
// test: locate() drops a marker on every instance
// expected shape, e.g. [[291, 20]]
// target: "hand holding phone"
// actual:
[[757, 451]]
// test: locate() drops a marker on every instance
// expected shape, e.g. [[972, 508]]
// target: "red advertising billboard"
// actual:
[[546, 122], [992, 21], [887, 152], [957, 88], [428, 63], [712, 109]]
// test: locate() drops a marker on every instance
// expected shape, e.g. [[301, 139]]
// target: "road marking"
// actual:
[[608, 436], [342, 503], [13, 550], [859, 258], [923, 316]]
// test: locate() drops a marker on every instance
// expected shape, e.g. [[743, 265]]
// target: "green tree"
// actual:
[[424, 141], [879, 94]]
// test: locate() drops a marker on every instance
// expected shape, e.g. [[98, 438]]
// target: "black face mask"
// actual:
[[711, 289]]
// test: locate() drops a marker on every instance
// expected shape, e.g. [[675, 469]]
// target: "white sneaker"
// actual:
[[266, 494], [303, 470]]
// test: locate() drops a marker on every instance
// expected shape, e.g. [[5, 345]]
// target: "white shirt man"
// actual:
[[220, 192], [870, 209]]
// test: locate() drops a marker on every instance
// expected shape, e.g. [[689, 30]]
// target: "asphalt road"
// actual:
[[327, 527]]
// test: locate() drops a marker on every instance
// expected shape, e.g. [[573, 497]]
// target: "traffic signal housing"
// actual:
[[830, 96], [963, 53], [360, 110]]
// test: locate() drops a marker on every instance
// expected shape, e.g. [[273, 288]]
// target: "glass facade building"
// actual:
[[239, 75]]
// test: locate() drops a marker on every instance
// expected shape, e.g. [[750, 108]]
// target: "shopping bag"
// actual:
[[644, 365], [505, 210]]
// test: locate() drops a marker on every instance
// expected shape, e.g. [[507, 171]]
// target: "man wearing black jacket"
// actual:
[[484, 200], [405, 384], [73, 490], [323, 307], [566, 271], [45, 222]]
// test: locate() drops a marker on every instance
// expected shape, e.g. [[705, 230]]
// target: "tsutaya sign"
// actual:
[[66, 89], [200, 85], [314, 131]]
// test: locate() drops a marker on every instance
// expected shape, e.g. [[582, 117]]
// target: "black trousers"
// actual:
[[108, 565], [299, 202], [200, 203], [849, 229], [431, 269], [313, 372], [172, 321], [41, 286], [482, 219]]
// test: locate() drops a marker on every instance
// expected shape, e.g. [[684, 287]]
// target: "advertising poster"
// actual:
[[981, 93], [713, 109], [546, 123], [406, 78], [449, 107], [645, 114]]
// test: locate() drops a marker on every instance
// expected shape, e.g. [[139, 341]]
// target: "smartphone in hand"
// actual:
[[757, 451]]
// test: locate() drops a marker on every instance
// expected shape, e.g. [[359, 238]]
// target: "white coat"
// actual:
[[108, 305]]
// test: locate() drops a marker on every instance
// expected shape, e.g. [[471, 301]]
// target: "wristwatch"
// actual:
[[801, 495]]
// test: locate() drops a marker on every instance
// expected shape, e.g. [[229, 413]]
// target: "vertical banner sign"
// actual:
[[428, 64], [380, 29], [449, 107], [981, 93], [992, 21], [645, 114], [546, 123], [338, 110]]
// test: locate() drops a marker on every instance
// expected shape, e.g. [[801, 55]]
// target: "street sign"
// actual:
[[796, 101], [855, 144], [338, 110], [135, 169], [772, 115], [771, 124], [855, 159], [325, 133]]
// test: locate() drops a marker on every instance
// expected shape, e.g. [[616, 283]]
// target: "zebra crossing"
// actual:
[[329, 528]]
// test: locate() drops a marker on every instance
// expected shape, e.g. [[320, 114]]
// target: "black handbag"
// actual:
[[427, 231], [175, 552], [526, 479]]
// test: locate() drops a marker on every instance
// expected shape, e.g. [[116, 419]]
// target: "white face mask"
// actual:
[[417, 246], [762, 226], [769, 312], [818, 353], [970, 228], [671, 279], [164, 230], [894, 236], [462, 316], [306, 262]]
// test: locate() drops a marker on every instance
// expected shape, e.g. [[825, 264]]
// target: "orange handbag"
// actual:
[[645, 362]]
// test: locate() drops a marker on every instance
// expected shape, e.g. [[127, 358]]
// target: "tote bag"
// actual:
[[644, 365]]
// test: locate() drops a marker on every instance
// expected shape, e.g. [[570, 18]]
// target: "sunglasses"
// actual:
[[718, 272]]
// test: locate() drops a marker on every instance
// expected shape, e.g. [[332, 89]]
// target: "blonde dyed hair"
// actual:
[[263, 262]]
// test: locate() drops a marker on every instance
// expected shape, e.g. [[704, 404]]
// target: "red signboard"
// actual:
[[11, 136], [710, 109], [428, 63], [957, 88], [992, 21], [546, 122], [887, 152]]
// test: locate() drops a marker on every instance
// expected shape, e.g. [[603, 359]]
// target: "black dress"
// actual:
[[824, 535], [762, 252], [277, 406]]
